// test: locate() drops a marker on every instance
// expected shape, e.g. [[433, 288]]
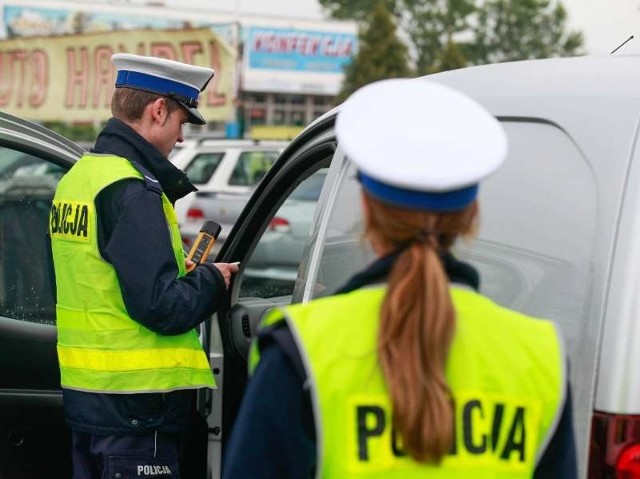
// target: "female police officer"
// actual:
[[409, 372]]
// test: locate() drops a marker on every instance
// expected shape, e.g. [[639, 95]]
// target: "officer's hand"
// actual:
[[227, 269], [189, 265]]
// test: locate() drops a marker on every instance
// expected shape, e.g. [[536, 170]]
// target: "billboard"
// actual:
[[20, 21], [71, 78], [296, 60], [31, 20], [299, 50]]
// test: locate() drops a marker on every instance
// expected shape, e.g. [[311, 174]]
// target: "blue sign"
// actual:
[[299, 50]]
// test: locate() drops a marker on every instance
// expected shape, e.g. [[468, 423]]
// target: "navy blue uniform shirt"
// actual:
[[133, 236], [274, 436]]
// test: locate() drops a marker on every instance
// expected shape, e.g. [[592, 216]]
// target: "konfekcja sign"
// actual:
[[297, 60], [71, 77]]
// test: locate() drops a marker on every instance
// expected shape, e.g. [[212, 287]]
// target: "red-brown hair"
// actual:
[[417, 321]]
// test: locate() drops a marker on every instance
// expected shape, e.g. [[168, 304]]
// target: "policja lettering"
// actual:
[[70, 220], [150, 470], [498, 429]]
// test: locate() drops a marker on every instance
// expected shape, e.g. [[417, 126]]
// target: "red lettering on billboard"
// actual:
[[104, 77], [23, 77], [5, 80], [77, 78], [18, 60], [189, 51], [214, 98], [39, 77], [164, 50], [140, 50], [84, 79]]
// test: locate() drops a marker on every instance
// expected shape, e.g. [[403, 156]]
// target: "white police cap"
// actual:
[[420, 144], [176, 80]]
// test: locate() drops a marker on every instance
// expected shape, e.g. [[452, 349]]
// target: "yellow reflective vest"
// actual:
[[506, 372], [100, 348]]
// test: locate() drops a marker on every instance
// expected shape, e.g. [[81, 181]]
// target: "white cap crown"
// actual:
[[420, 136]]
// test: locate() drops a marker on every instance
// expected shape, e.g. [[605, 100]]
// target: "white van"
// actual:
[[560, 228], [559, 238]]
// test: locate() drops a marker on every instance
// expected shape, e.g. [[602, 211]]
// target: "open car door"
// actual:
[[34, 440], [273, 240]]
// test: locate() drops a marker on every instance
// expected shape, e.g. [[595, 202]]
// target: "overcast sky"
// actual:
[[605, 23]]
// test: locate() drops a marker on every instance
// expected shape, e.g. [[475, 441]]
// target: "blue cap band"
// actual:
[[444, 201], [162, 86]]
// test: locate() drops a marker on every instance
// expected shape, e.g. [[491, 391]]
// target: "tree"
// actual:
[[473, 31], [523, 29], [381, 54], [355, 9], [450, 58], [432, 26]]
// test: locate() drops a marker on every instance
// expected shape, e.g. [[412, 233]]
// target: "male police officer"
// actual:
[[130, 358]]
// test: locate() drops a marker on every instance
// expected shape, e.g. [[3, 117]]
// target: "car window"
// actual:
[[272, 269], [251, 167], [345, 252], [310, 189], [27, 185], [202, 167]]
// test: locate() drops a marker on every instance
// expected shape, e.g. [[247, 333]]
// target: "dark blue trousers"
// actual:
[[124, 457]]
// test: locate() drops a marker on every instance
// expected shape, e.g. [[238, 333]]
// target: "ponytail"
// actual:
[[417, 323]]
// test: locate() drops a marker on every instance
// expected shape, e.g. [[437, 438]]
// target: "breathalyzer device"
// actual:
[[204, 242]]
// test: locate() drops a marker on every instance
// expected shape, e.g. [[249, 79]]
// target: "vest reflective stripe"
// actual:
[[506, 372], [121, 381], [145, 359], [100, 348]]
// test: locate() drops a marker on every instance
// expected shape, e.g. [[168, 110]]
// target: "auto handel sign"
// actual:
[[71, 77]]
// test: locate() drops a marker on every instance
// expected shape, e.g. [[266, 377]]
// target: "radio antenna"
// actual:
[[621, 45]]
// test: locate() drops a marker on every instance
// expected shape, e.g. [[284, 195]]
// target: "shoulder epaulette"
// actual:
[[149, 180]]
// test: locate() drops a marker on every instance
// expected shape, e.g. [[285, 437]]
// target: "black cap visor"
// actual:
[[195, 116]]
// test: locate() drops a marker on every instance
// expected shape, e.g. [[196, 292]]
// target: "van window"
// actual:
[[537, 226]]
